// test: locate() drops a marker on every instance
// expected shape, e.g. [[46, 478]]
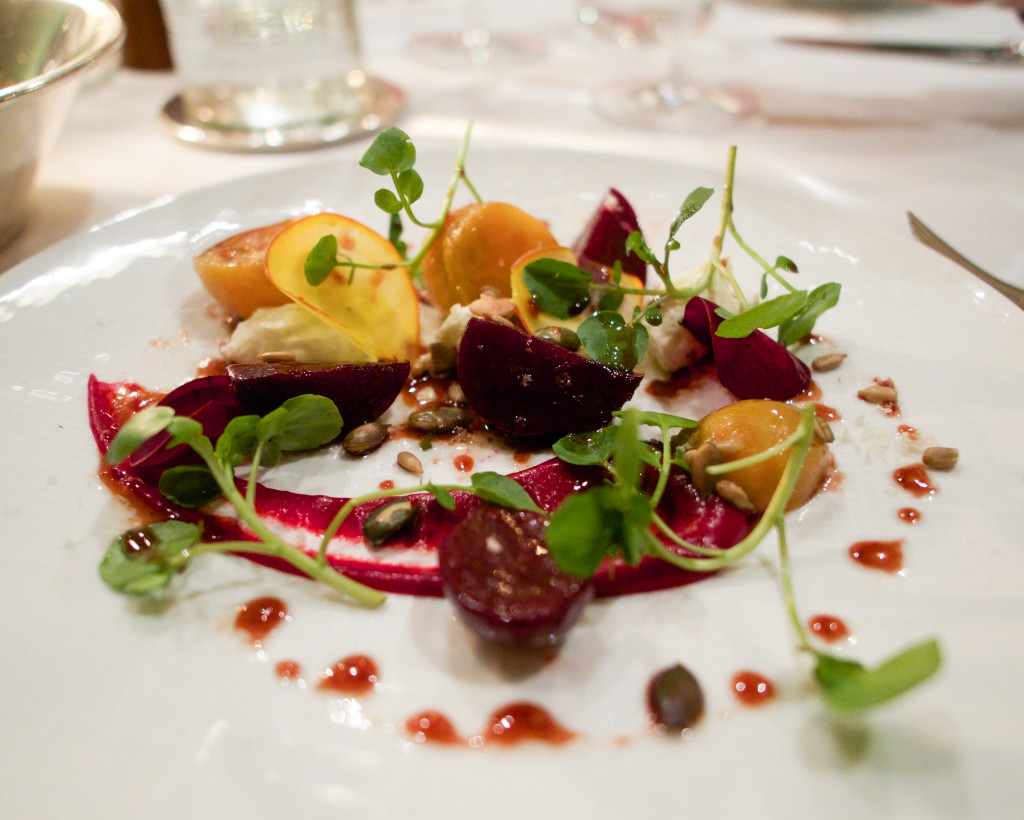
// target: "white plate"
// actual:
[[111, 710]]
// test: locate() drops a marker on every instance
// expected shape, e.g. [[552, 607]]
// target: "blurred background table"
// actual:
[[879, 134]]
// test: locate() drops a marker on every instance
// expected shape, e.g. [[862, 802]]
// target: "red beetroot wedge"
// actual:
[[361, 391], [496, 569], [603, 240], [526, 387]]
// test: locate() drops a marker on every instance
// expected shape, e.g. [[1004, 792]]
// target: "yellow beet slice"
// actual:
[[376, 309], [234, 271], [533, 318]]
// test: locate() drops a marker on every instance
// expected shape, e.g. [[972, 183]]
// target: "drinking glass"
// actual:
[[675, 98], [266, 75], [475, 41]]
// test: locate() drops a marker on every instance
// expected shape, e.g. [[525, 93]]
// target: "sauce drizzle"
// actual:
[[259, 617], [909, 515], [886, 556], [353, 675], [828, 628], [915, 480], [752, 688], [521, 721]]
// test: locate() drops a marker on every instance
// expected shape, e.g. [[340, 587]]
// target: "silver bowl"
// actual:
[[46, 49]]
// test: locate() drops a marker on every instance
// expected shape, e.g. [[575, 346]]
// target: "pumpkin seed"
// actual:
[[675, 698], [365, 438], [389, 519], [442, 419]]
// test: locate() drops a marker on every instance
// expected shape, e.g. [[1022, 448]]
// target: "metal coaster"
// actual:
[[382, 105]]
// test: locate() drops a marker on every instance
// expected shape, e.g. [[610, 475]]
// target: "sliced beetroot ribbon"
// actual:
[[710, 523], [753, 367]]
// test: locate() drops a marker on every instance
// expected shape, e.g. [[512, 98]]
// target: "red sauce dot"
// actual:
[[915, 480], [463, 463], [259, 617], [752, 689], [828, 628], [354, 675], [886, 556], [432, 727], [387, 484], [810, 393], [823, 411], [518, 722], [908, 431], [520, 457], [909, 515], [287, 670]]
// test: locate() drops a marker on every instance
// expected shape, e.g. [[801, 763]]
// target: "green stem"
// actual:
[[458, 175], [789, 599], [757, 458], [772, 515], [306, 564], [724, 221], [271, 544]]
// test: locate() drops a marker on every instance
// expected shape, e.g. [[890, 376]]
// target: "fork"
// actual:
[[927, 237]]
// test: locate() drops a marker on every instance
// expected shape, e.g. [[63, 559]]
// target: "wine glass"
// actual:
[[675, 98], [474, 41]]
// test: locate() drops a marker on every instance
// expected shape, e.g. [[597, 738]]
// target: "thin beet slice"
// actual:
[[754, 367], [603, 239], [496, 569], [526, 387], [710, 522], [361, 391], [210, 400]]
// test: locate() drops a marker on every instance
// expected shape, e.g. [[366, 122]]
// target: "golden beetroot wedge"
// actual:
[[234, 271], [374, 307], [533, 318]]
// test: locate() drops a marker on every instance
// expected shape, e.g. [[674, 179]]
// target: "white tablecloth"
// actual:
[[881, 134]]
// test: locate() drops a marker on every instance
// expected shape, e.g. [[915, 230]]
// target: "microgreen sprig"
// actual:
[[144, 560], [563, 290], [392, 154], [616, 519]]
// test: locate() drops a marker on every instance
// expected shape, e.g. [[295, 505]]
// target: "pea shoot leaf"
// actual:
[[310, 422], [387, 201], [612, 341], [849, 686], [321, 260], [559, 288], [442, 495], [189, 485], [139, 429], [594, 447], [141, 561], [504, 491], [767, 314], [694, 201], [799, 326], [238, 441], [391, 152], [636, 244]]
